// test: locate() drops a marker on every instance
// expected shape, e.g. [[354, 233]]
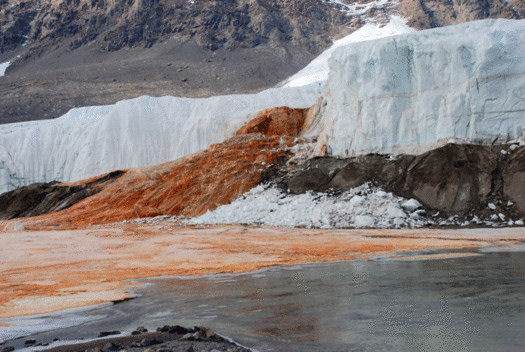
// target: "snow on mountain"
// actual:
[[359, 9], [3, 67], [415, 92], [317, 70], [139, 132]]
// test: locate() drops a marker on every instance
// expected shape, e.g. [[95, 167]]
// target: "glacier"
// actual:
[[417, 91], [144, 131], [317, 70]]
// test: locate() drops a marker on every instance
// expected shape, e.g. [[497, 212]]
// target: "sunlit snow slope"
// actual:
[[415, 92]]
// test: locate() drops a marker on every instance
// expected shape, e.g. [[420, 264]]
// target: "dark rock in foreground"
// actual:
[[165, 339], [43, 198], [452, 179]]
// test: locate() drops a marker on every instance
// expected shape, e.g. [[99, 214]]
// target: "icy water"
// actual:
[[474, 303]]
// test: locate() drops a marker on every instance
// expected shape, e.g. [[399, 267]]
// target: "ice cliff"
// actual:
[[132, 133], [146, 131], [414, 92]]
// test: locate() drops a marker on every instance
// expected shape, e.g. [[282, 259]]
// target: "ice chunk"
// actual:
[[362, 221], [3, 67], [411, 205]]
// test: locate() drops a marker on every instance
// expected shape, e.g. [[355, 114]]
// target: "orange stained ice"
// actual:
[[46, 271]]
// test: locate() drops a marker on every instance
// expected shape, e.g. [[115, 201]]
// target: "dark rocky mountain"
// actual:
[[69, 53], [423, 14]]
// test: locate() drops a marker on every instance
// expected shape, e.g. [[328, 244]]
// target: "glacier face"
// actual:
[[317, 70], [144, 131], [414, 92]]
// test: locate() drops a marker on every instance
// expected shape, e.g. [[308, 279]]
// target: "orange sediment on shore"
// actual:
[[48, 271]]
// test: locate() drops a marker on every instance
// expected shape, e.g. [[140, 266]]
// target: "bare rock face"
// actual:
[[314, 179], [424, 14], [454, 178], [42, 198], [514, 179], [113, 25]]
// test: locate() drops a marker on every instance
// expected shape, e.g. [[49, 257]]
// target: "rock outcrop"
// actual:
[[424, 14], [415, 92], [452, 179], [43, 198], [514, 179]]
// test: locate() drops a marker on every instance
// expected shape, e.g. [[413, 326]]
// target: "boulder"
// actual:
[[314, 179], [453, 178]]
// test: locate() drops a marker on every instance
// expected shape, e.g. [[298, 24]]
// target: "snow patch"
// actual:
[[3, 67], [358, 9]]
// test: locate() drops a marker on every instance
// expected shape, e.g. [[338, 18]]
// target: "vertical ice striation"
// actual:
[[414, 92], [317, 70], [139, 132]]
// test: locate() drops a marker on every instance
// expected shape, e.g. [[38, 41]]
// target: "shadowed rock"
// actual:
[[42, 198], [454, 178]]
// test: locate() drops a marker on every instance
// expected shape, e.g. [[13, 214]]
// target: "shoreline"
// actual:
[[140, 339], [82, 268]]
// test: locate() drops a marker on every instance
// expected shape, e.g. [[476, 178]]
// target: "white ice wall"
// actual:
[[416, 91], [138, 132]]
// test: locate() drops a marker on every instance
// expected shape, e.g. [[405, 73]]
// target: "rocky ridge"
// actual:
[[84, 53]]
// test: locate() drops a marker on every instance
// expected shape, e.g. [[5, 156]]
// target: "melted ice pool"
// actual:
[[454, 303]]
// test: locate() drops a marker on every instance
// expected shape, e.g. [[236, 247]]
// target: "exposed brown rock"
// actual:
[[42, 198], [278, 121], [314, 179], [453, 178]]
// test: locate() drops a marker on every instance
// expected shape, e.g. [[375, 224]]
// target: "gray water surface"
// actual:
[[462, 304]]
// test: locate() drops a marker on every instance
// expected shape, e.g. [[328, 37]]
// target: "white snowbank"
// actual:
[[317, 70], [418, 91], [144, 131], [361, 207], [3, 67]]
